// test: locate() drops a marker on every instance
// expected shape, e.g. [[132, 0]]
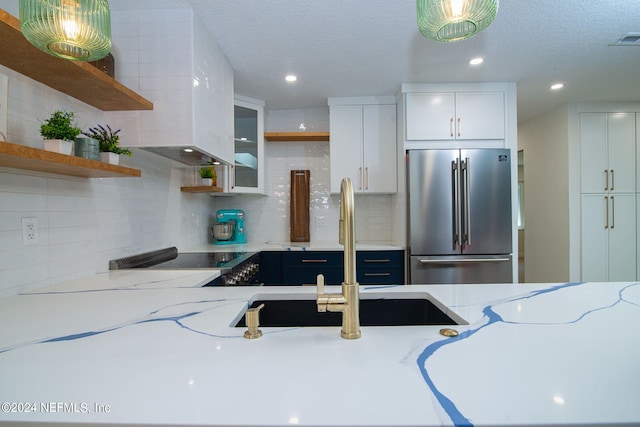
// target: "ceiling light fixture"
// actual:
[[557, 86], [79, 30], [291, 78], [454, 20], [476, 61]]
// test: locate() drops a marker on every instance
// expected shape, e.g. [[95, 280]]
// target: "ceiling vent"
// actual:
[[629, 39]]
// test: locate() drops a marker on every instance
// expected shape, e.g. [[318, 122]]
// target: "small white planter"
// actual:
[[207, 182], [111, 158], [58, 146]]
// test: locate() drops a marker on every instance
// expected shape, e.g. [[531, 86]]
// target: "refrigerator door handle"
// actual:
[[461, 260], [455, 177], [466, 168]]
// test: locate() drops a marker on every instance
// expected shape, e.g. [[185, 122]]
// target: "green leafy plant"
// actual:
[[107, 139], [206, 172], [60, 126]]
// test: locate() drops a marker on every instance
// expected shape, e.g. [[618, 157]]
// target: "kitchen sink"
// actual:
[[388, 309]]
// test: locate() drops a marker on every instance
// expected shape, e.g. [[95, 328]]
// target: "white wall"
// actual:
[[544, 141]]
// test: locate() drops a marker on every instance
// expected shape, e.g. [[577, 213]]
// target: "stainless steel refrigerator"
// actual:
[[459, 216]]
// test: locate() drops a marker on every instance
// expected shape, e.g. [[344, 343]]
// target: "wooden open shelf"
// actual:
[[296, 136], [80, 80], [22, 157], [201, 189]]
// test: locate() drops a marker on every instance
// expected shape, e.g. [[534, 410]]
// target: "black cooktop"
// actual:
[[169, 258], [203, 260]]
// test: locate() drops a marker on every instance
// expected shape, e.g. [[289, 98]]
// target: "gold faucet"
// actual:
[[348, 302]]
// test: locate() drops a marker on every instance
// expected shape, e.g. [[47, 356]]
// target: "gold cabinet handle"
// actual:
[[612, 181], [613, 212], [366, 178], [459, 126], [606, 180], [606, 209], [451, 127]]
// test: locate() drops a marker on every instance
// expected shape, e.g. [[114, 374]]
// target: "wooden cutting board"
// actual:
[[299, 214]]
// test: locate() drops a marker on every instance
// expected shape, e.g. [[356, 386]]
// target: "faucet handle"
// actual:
[[321, 298], [320, 283]]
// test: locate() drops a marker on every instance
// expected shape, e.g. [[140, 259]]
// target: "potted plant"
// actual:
[[208, 175], [59, 132], [110, 150]]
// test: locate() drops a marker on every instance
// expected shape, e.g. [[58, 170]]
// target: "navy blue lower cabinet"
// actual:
[[300, 268], [271, 268], [380, 267]]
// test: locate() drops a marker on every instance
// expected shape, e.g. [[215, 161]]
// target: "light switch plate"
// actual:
[[4, 101]]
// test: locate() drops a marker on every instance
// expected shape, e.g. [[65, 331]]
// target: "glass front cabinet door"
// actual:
[[246, 175]]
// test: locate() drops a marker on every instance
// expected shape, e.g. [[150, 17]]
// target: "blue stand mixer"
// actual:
[[229, 227]]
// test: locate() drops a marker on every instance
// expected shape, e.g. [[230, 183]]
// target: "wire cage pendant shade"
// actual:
[[454, 20], [79, 30]]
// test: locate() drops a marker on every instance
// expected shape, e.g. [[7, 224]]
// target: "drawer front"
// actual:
[[380, 259], [330, 259], [381, 277], [308, 276]]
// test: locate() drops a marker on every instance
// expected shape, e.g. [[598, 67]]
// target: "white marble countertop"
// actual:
[[289, 246], [149, 348]]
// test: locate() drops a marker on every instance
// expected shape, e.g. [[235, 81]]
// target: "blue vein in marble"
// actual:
[[491, 318], [132, 287], [177, 319]]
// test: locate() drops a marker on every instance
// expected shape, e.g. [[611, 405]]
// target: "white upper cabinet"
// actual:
[[455, 116], [246, 175], [608, 152], [363, 145]]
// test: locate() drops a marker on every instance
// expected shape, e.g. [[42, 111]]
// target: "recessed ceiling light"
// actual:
[[476, 61], [291, 78], [557, 86]]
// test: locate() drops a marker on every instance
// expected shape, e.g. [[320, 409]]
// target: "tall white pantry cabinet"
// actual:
[[608, 186]]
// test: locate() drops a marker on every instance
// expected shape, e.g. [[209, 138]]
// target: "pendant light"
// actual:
[[453, 20], [79, 30]]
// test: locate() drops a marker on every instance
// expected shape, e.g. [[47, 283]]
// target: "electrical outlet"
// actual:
[[29, 231], [4, 101]]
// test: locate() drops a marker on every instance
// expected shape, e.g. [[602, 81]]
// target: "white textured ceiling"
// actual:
[[370, 47]]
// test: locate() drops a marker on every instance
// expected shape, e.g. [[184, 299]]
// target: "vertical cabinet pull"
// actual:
[[606, 180], [613, 212], [606, 210], [366, 178], [459, 126], [612, 181], [451, 127], [360, 178]]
